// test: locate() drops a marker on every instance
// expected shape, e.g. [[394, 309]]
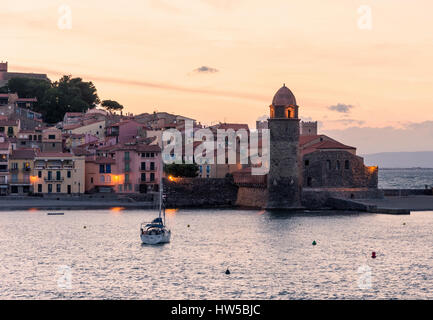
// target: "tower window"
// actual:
[[328, 164], [346, 164]]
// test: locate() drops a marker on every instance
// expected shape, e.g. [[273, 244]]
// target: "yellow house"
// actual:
[[9, 128], [20, 170], [57, 172]]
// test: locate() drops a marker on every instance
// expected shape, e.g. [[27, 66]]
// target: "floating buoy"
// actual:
[[227, 271], [314, 243], [373, 255], [404, 223], [84, 227], [188, 226]]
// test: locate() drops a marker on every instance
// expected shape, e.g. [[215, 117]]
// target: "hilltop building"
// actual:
[[5, 75]]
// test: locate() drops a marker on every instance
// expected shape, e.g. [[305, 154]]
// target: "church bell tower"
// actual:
[[284, 179]]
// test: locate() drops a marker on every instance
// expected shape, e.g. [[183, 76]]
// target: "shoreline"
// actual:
[[411, 203]]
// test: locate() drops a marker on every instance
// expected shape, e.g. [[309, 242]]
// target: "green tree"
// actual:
[[111, 105], [56, 98], [181, 170]]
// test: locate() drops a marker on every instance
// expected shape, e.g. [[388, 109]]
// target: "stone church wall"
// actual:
[[337, 169]]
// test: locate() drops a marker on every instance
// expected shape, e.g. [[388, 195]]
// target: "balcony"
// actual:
[[54, 179], [20, 182]]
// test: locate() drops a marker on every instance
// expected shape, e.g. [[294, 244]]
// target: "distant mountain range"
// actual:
[[421, 159]]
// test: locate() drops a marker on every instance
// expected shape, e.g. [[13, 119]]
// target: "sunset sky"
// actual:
[[223, 60]]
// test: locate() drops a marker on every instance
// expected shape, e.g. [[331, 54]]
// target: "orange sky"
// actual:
[[144, 54]]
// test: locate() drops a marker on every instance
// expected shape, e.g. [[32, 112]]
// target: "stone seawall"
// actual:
[[252, 197], [316, 198], [197, 192]]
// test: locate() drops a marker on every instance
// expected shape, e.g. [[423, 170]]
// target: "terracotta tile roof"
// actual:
[[234, 126], [100, 160], [306, 139], [53, 154], [5, 122], [27, 100], [23, 154], [332, 145], [68, 114]]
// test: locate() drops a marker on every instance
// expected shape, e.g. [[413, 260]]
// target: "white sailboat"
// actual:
[[156, 232]]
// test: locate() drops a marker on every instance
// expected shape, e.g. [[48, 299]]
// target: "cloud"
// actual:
[[341, 107], [205, 69], [151, 84]]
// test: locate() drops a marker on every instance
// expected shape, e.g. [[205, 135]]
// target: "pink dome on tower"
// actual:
[[284, 97]]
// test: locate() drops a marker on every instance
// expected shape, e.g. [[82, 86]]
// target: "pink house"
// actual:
[[127, 168], [124, 130]]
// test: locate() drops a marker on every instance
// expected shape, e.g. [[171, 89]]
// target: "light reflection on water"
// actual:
[[270, 256]]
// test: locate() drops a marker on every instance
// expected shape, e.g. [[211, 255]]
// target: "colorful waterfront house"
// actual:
[[140, 167], [137, 166], [5, 150], [57, 172], [124, 130], [52, 140], [21, 164], [101, 174]]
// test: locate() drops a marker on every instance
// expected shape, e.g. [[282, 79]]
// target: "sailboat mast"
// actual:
[[161, 164]]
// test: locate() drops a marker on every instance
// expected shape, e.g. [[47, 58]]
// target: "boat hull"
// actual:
[[155, 238]]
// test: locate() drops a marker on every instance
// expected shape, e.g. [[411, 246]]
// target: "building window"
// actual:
[[108, 168], [126, 178], [346, 164], [143, 177], [68, 174], [127, 155], [50, 188], [126, 167], [58, 188], [337, 166], [108, 178], [309, 180], [152, 176], [143, 166], [91, 180], [51, 137], [120, 188], [307, 163], [39, 174], [58, 175], [39, 188], [101, 168], [152, 166], [102, 179], [207, 169], [10, 130], [328, 164], [50, 175]]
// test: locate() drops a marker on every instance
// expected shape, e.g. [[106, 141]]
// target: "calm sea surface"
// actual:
[[270, 256], [98, 254], [405, 178]]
